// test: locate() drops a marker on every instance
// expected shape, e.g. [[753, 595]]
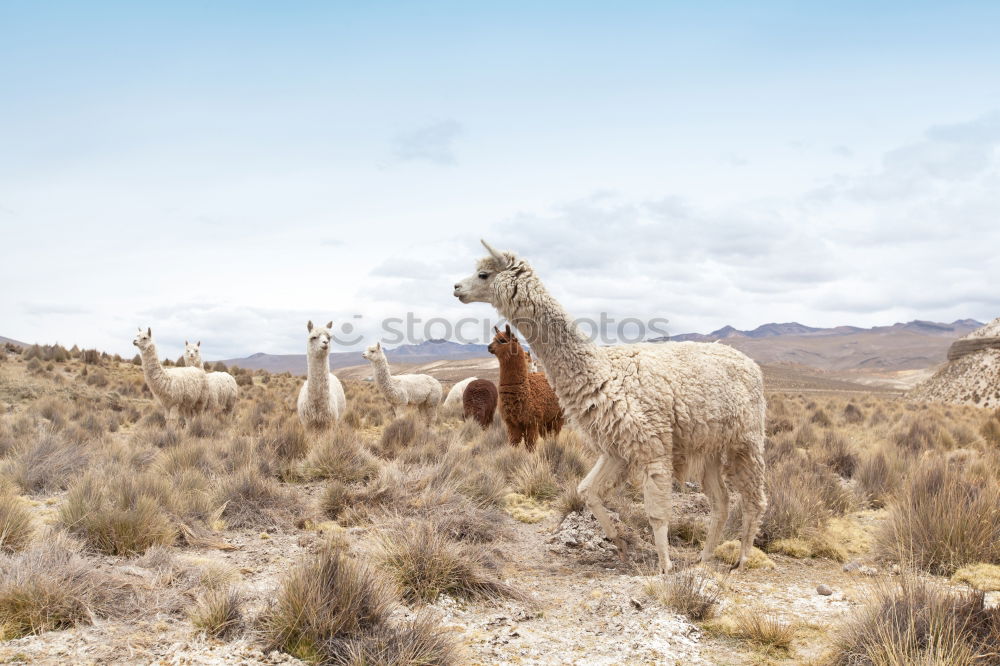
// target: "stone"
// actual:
[[825, 590]]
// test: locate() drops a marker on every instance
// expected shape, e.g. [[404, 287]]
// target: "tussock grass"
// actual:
[[251, 499], [44, 462], [880, 473], [17, 526], [729, 552], [571, 501], [117, 514], [688, 592], [763, 628], [340, 455], [915, 622], [218, 612], [333, 609], [942, 519], [51, 586], [425, 563], [535, 479], [981, 576]]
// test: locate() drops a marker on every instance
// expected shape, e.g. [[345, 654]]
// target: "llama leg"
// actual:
[[718, 495], [531, 436], [605, 472], [747, 474], [657, 477], [515, 432]]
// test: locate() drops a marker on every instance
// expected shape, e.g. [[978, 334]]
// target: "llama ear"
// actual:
[[506, 329], [309, 326], [500, 258], [497, 330], [185, 343], [329, 324], [149, 331], [199, 343], [378, 345]]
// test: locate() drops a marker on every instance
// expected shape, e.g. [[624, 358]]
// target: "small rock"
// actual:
[[853, 565], [824, 590], [635, 603], [867, 571]]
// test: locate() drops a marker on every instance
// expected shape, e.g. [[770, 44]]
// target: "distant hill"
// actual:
[[4, 340], [902, 346], [955, 329], [425, 352]]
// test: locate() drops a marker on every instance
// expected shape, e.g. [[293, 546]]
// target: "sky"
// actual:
[[227, 171]]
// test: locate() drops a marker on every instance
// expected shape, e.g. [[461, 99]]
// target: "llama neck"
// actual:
[[319, 375], [513, 370], [383, 378], [567, 355], [155, 374], [196, 362]]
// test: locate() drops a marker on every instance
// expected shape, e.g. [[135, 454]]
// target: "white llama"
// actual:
[[321, 398], [422, 391], [453, 403], [222, 388], [652, 409], [182, 392]]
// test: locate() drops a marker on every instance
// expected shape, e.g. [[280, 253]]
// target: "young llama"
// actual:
[[654, 410], [422, 391], [479, 401], [321, 398], [182, 392], [528, 405], [222, 388]]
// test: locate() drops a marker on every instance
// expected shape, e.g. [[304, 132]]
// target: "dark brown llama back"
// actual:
[[479, 400]]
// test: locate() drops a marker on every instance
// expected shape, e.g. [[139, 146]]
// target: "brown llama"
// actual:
[[479, 400], [528, 405]]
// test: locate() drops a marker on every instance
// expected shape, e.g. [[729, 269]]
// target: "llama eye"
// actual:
[[483, 275]]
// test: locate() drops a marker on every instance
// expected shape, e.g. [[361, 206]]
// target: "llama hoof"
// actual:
[[739, 564]]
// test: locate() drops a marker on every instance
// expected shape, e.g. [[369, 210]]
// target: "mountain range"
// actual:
[[424, 352], [957, 328], [912, 345], [902, 346]]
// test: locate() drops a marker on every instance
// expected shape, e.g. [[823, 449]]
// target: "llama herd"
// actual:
[[652, 412]]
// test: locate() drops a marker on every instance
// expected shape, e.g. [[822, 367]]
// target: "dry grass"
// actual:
[[333, 609], [51, 586], [944, 518], [117, 514], [689, 592], [917, 622], [44, 461], [250, 499], [339, 455], [425, 563], [763, 628], [218, 612], [17, 526]]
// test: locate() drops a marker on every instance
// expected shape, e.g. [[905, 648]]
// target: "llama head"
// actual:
[[192, 354], [318, 342], [144, 339], [505, 344], [374, 353], [495, 278]]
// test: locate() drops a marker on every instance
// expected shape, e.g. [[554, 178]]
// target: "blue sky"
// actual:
[[226, 172]]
